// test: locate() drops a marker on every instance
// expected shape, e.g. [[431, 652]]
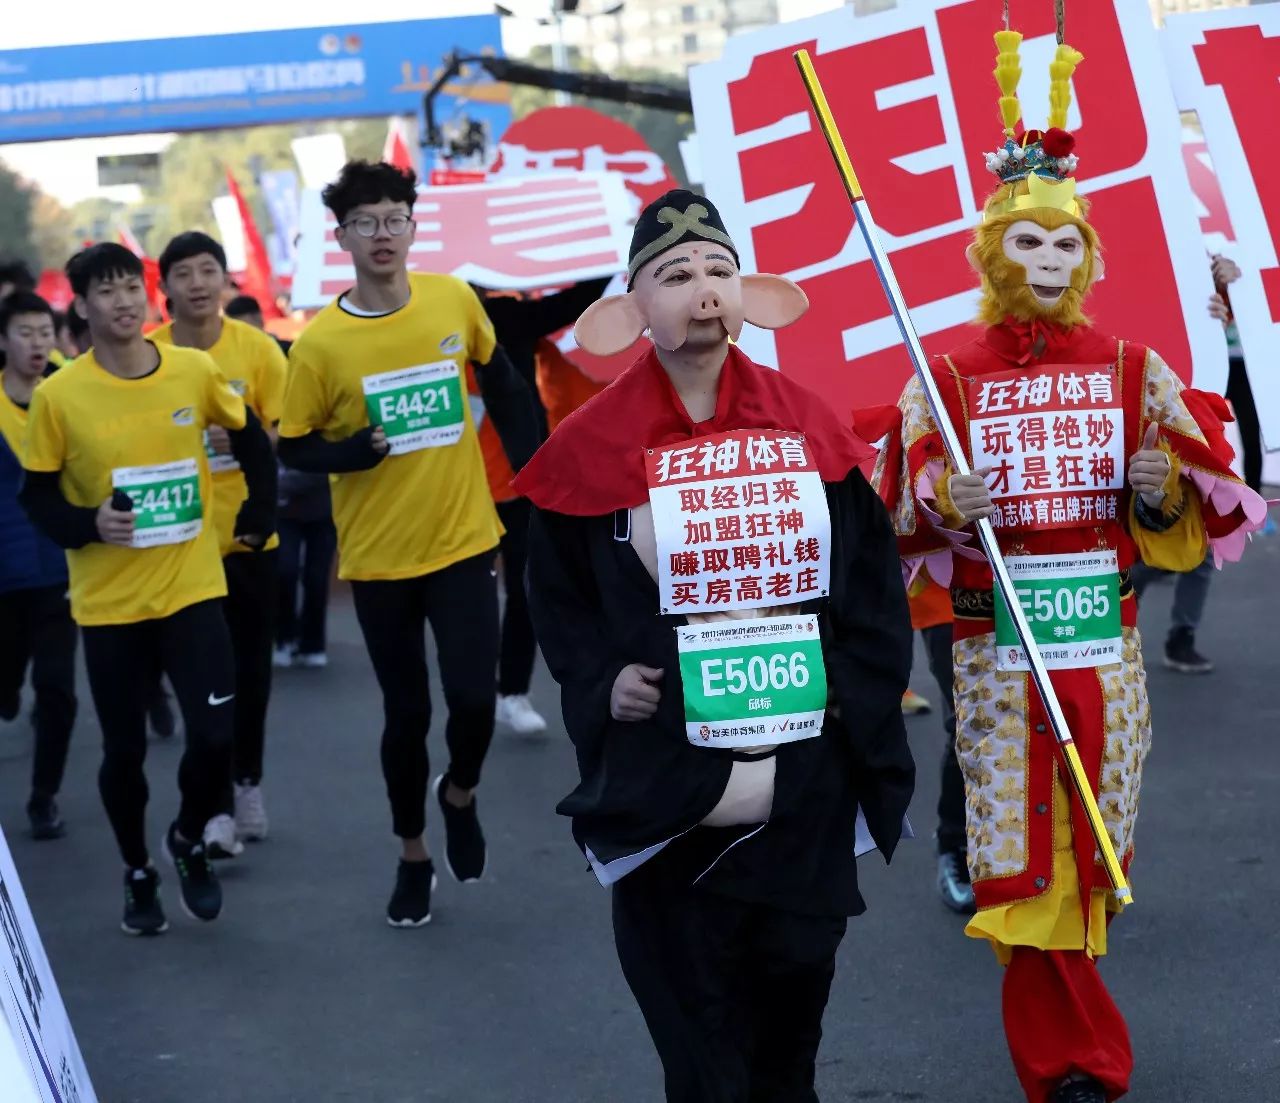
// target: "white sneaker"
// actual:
[[251, 813], [313, 659], [519, 715], [283, 658], [220, 838]]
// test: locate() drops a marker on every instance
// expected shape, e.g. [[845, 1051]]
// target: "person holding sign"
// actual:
[[716, 589], [193, 274], [376, 397], [1089, 455], [118, 475]]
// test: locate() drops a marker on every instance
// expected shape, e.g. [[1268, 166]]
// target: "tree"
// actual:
[[16, 199], [663, 130], [193, 172]]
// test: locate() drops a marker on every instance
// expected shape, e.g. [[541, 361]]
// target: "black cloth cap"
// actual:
[[671, 219]]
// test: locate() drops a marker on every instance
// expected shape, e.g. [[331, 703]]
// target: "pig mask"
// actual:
[[685, 287]]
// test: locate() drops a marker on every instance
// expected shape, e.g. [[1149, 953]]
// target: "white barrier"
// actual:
[[40, 1060]]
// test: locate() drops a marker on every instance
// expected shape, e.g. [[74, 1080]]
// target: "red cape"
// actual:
[[593, 463]]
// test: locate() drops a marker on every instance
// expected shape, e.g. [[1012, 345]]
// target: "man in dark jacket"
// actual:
[[36, 628], [716, 589]]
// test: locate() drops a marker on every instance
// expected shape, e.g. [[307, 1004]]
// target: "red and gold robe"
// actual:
[[1032, 885]]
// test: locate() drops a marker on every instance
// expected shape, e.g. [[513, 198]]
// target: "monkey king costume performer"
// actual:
[[1094, 455], [717, 590]]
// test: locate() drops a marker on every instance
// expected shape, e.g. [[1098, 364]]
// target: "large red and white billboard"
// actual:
[[520, 233], [913, 93], [1225, 66]]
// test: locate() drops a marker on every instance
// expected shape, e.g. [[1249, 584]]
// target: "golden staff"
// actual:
[[955, 451]]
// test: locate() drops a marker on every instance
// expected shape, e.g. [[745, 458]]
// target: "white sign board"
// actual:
[[519, 233], [1225, 66], [40, 1061]]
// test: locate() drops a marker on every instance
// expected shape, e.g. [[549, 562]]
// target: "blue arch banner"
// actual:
[[230, 80]]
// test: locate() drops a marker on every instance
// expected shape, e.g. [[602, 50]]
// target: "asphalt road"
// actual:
[[513, 994]]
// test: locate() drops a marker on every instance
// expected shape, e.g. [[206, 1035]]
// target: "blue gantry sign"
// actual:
[[235, 79]]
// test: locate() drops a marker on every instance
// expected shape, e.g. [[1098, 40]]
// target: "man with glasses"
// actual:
[[376, 398]]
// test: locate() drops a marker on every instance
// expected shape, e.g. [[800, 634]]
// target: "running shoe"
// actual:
[[143, 914], [46, 821], [410, 904], [517, 713], [1080, 1091], [914, 705], [220, 840], [251, 813], [312, 660], [1180, 653], [282, 658], [201, 893], [465, 854], [953, 883]]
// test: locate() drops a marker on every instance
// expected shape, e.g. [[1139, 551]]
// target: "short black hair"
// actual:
[[362, 182], [22, 302], [188, 245], [100, 262], [242, 305], [76, 325], [18, 273]]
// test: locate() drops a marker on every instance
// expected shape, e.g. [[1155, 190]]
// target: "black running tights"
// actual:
[[193, 648], [461, 604]]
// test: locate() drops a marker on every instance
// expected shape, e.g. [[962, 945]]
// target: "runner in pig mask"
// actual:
[[716, 588]]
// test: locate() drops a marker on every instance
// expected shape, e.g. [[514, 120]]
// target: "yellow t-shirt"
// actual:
[[254, 365], [427, 504], [100, 432]]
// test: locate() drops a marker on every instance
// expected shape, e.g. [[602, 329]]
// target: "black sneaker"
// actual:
[[160, 715], [46, 822], [1180, 653], [201, 893], [1080, 1091], [410, 904], [143, 914], [953, 882], [465, 854]]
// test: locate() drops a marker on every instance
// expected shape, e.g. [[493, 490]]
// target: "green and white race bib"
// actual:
[[418, 407], [749, 683], [1072, 603], [166, 502]]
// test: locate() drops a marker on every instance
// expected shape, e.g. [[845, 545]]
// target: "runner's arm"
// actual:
[[251, 446], [508, 402], [66, 525], [320, 456]]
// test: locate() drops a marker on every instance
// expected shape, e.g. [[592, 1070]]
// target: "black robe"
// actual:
[[594, 607]]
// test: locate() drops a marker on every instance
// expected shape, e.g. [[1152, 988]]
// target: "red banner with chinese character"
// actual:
[[913, 93], [741, 522], [1054, 442], [1225, 66]]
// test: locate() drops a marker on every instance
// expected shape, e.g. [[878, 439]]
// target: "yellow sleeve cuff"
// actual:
[[1183, 545], [951, 517]]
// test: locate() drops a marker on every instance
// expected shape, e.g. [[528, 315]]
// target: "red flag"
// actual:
[[257, 265], [395, 151], [150, 269]]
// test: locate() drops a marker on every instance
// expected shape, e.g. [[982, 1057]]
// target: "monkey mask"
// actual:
[[1035, 250]]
